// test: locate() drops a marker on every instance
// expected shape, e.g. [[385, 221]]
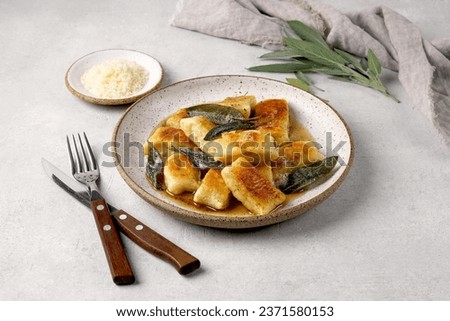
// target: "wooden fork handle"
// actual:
[[115, 255], [154, 243]]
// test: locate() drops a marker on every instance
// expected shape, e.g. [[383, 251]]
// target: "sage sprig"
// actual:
[[310, 53]]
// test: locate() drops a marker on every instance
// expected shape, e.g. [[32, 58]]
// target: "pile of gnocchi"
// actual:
[[237, 148]]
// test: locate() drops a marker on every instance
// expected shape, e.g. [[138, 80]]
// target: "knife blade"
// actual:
[[134, 229]]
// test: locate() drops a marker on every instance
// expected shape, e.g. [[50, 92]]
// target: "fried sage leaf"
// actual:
[[199, 158], [218, 114], [301, 177], [154, 168], [234, 125]]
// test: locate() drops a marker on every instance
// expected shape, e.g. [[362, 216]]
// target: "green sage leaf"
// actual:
[[310, 67], [283, 68], [301, 76], [373, 64], [316, 53], [350, 59], [331, 71], [307, 33], [299, 84], [282, 54], [311, 53]]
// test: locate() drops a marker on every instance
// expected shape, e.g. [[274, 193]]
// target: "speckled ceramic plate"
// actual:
[[323, 122], [79, 67]]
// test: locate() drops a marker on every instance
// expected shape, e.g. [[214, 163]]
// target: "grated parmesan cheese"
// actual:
[[114, 79]]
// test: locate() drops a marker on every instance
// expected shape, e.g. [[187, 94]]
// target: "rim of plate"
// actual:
[[113, 101], [223, 221]]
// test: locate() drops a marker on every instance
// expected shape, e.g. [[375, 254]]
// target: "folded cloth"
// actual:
[[423, 66]]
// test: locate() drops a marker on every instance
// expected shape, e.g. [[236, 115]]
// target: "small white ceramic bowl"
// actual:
[[79, 67]]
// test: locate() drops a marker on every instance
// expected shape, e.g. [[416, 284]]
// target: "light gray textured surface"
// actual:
[[383, 235]]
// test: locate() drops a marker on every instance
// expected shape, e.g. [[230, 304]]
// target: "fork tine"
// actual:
[[69, 149], [86, 164], [78, 160], [91, 154]]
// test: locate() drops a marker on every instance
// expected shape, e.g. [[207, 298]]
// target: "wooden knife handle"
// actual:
[[117, 260], [154, 243]]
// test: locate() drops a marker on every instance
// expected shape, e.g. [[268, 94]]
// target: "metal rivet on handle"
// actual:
[[122, 216], [107, 227], [139, 227], [100, 207]]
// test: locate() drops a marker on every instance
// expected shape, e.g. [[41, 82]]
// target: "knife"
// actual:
[[137, 231]]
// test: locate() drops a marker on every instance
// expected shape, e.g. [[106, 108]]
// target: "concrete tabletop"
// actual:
[[383, 235]]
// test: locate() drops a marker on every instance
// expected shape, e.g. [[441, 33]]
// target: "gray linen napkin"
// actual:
[[423, 66]]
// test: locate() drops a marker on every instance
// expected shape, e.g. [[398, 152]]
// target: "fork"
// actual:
[[85, 170]]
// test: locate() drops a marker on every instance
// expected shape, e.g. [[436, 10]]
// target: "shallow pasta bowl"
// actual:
[[323, 122], [79, 67]]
